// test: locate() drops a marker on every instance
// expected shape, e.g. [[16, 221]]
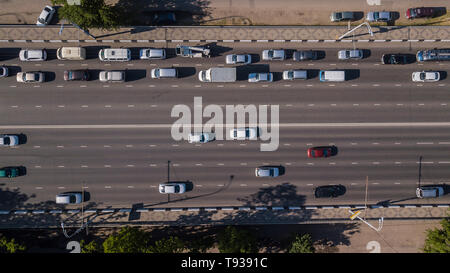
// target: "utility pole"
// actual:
[[365, 199], [420, 169]]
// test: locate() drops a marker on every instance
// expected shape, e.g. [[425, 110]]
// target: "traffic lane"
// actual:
[[49, 111], [236, 185]]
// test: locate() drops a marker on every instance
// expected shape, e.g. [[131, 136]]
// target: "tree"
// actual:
[[438, 240], [91, 247], [302, 244], [168, 245], [233, 240], [128, 240], [91, 14], [10, 246]]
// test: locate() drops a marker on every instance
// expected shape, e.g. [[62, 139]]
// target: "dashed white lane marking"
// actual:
[[332, 163], [354, 163], [107, 106], [107, 187], [287, 85], [83, 146], [425, 162], [375, 143], [397, 143], [309, 184], [106, 146], [441, 84], [444, 162], [60, 146], [84, 106], [243, 185], [153, 105], [353, 184], [288, 163], [197, 85], [309, 85], [355, 104], [107, 166], [287, 64], [152, 145], [376, 84], [397, 162], [198, 164], [130, 165], [38, 188], [61, 166], [131, 105], [397, 183], [265, 85], [129, 146], [443, 143], [105, 86], [399, 104], [220, 164], [288, 105], [175, 145], [151, 85], [174, 85], [421, 104], [354, 85], [311, 164], [198, 64], [242, 85], [61, 188], [14, 106], [287, 144], [312, 104], [84, 166], [37, 166], [398, 85], [443, 104], [220, 144], [424, 143], [375, 163], [333, 104], [375, 183], [61, 106], [176, 165], [354, 143], [376, 104], [130, 187], [153, 165], [199, 185], [220, 185], [242, 144], [265, 185], [82, 86], [331, 85], [37, 147], [243, 164]]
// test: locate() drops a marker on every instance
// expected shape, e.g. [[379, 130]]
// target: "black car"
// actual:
[[394, 59], [329, 191]]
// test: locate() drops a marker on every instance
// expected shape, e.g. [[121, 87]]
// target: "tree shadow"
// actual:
[[141, 12]]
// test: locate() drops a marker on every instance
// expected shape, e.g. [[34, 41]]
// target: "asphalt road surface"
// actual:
[[380, 121]]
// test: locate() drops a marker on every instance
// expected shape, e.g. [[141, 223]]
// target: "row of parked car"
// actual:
[[386, 16]]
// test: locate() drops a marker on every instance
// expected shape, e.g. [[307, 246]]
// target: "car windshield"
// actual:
[[36, 77], [290, 74], [338, 15], [347, 54], [422, 76], [270, 54], [376, 15], [234, 58], [70, 74], [6, 140], [157, 72], [202, 138], [177, 188]]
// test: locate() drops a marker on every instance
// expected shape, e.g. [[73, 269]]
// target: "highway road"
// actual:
[[123, 166]]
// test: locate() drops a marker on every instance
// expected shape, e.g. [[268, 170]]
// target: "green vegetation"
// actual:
[[438, 240], [168, 245], [10, 246], [233, 240], [128, 240], [302, 244], [90, 14]]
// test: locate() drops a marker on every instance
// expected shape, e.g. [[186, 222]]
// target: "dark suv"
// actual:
[[76, 75], [420, 12]]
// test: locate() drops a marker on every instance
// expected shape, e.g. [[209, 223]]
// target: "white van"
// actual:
[[429, 191], [114, 54], [160, 73], [332, 75], [71, 53], [112, 76]]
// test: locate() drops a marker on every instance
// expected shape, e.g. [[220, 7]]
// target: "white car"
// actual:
[[267, 171], [426, 76], [172, 188], [33, 55], [152, 54], [238, 59], [46, 16], [201, 137], [30, 77], [69, 198], [244, 133], [379, 16], [273, 54], [9, 140], [260, 77], [112, 76], [350, 54]]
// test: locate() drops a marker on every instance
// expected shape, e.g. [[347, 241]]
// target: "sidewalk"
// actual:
[[217, 216], [225, 34]]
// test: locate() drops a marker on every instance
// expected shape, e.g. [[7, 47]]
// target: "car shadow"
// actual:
[[49, 76], [22, 138], [135, 74], [94, 74], [51, 54], [443, 75], [410, 58], [334, 150], [366, 53], [22, 170], [277, 76], [184, 72], [13, 70], [351, 74], [313, 73], [10, 53], [357, 15], [92, 51]]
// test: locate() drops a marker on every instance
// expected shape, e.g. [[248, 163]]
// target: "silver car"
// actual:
[[267, 171], [112, 76], [295, 75], [426, 76], [30, 77], [33, 55], [379, 16], [46, 16], [250, 133], [342, 16], [201, 137], [172, 188], [238, 59], [9, 140], [350, 54], [69, 198], [273, 54], [303, 55], [152, 54], [260, 77]]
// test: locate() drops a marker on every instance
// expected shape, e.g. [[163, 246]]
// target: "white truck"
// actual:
[[193, 51], [218, 74]]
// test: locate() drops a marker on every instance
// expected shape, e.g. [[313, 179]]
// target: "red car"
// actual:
[[420, 12], [324, 151]]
